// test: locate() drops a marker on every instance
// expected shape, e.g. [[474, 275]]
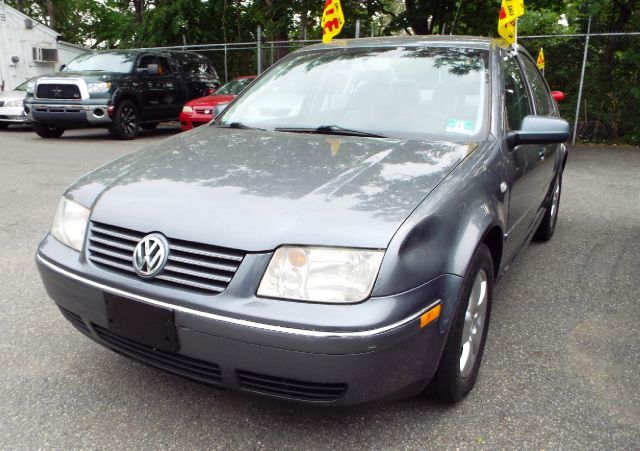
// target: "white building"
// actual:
[[28, 48]]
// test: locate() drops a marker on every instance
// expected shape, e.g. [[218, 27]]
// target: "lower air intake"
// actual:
[[289, 388]]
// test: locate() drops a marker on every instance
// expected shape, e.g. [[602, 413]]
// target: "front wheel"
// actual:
[[460, 361], [3, 125], [47, 131], [126, 121], [548, 225]]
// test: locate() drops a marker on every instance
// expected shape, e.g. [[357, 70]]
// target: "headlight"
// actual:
[[321, 274], [99, 87], [70, 223], [187, 109], [31, 86], [14, 103]]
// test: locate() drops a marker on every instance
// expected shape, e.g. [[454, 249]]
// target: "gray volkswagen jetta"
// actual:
[[334, 236]]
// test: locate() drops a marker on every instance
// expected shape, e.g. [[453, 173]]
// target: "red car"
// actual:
[[200, 111]]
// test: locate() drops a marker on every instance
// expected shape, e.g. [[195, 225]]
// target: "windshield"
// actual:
[[105, 62], [233, 87], [401, 92], [23, 86]]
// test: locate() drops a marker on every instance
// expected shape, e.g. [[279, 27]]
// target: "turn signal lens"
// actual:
[[430, 316]]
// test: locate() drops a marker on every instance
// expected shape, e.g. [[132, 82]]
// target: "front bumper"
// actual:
[[191, 121], [13, 115], [302, 364], [70, 115]]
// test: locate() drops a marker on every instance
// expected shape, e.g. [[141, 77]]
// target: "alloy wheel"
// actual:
[[474, 323]]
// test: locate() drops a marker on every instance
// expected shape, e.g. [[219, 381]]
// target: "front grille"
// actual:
[[204, 110], [176, 363], [74, 319], [58, 91], [279, 386], [195, 266]]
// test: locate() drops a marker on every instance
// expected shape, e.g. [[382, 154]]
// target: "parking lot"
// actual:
[[560, 369]]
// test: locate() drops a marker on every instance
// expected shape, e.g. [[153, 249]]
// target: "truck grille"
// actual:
[[54, 91], [195, 266]]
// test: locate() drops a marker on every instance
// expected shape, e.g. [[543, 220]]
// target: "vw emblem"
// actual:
[[150, 255]]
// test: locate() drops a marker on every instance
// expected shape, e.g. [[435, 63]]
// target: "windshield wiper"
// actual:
[[239, 125], [330, 130]]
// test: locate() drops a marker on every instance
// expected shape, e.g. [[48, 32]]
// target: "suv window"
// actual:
[[164, 66], [195, 66], [146, 60], [541, 94], [516, 98]]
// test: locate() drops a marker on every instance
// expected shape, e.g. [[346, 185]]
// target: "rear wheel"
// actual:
[[460, 361], [3, 125], [126, 121], [47, 131], [548, 225]]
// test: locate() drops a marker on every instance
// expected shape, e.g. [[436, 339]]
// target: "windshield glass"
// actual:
[[23, 86], [402, 92], [233, 87], [105, 62]]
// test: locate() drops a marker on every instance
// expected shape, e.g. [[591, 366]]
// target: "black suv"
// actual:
[[123, 90]]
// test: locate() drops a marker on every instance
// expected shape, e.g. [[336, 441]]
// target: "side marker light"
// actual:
[[430, 316]]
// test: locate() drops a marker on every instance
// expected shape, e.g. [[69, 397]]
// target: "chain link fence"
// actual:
[[609, 109]]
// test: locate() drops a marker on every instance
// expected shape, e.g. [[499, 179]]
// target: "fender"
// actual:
[[125, 92], [442, 233]]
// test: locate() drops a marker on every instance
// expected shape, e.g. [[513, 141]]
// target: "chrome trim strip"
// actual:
[[235, 321]]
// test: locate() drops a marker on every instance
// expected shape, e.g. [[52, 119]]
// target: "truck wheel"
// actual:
[[460, 361], [126, 121], [47, 131], [3, 125]]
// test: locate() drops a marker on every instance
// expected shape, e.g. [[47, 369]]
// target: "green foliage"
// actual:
[[609, 111]]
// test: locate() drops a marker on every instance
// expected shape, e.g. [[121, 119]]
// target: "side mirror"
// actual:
[[62, 67], [558, 96], [152, 69], [540, 130]]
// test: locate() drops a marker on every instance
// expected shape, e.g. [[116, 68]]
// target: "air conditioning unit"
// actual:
[[44, 55]]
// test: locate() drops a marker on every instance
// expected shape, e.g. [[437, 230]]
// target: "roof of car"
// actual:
[[439, 41]]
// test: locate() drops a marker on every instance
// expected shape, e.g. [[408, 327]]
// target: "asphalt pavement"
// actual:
[[560, 369]]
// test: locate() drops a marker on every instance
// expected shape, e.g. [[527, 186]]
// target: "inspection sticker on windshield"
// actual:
[[458, 126]]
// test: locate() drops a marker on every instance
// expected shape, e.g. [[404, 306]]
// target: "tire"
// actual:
[[3, 125], [459, 366], [47, 131], [548, 225], [126, 121], [149, 126]]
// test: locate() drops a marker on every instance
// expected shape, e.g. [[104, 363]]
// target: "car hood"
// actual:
[[210, 101], [255, 190], [7, 96]]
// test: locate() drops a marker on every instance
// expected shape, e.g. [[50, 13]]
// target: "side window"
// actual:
[[164, 66], [516, 98], [146, 60], [541, 95]]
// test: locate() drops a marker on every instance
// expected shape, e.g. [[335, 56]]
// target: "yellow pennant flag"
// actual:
[[509, 12], [332, 20], [540, 61]]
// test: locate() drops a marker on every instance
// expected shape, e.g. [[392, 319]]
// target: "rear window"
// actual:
[[195, 66]]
